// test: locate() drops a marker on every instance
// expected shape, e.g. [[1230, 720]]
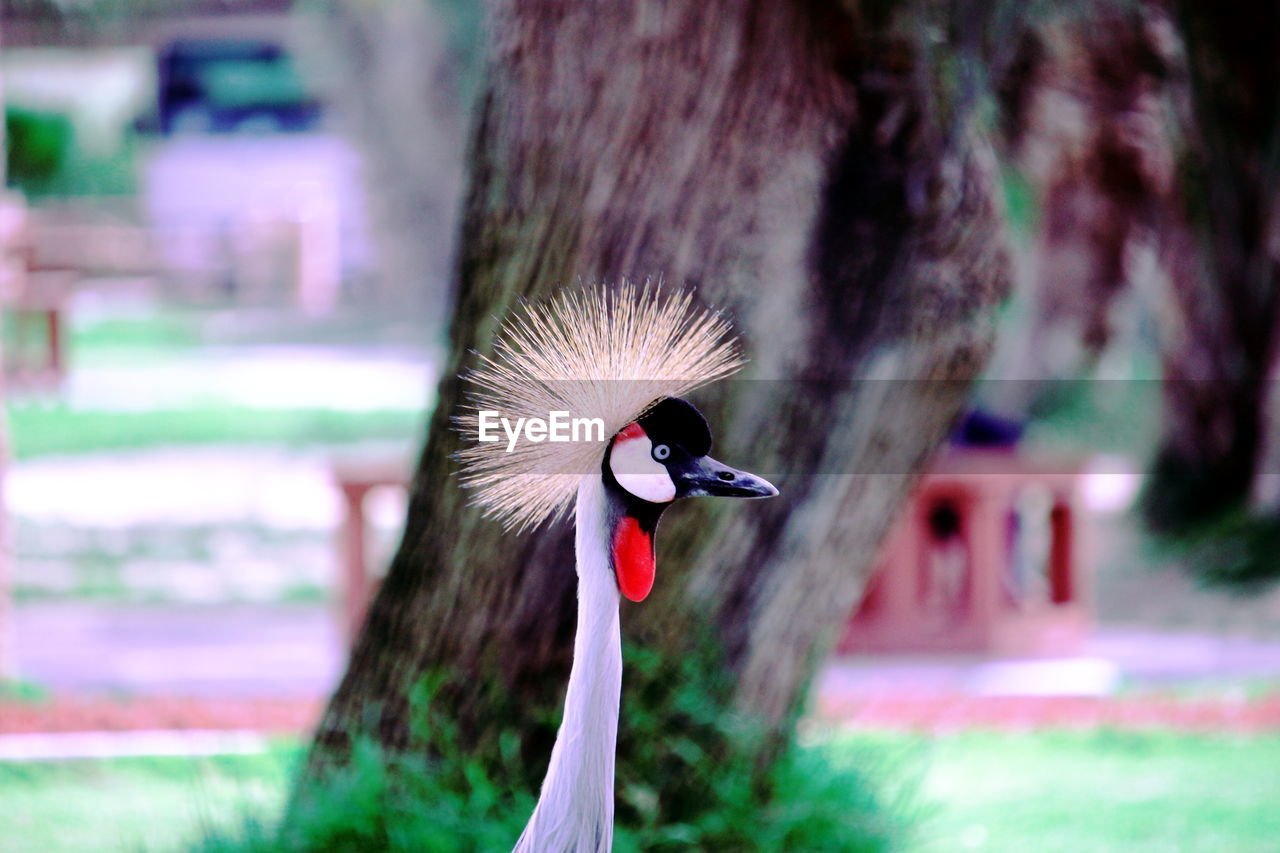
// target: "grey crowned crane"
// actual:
[[624, 357]]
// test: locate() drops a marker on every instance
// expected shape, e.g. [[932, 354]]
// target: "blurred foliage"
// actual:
[[1183, 499], [38, 145], [1237, 551], [378, 802], [44, 159], [691, 774], [1209, 530], [690, 778]]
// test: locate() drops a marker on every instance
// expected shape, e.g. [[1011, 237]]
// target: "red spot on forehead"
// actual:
[[628, 432], [633, 559]]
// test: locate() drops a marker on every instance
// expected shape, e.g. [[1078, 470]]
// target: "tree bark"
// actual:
[[1220, 240], [1087, 125], [1095, 128], [783, 159], [395, 90]]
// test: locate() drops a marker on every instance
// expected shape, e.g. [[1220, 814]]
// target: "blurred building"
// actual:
[[189, 122]]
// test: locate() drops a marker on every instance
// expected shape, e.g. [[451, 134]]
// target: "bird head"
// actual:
[[624, 357], [663, 456], [652, 462]]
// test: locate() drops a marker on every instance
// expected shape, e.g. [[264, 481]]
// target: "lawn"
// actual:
[[1101, 791], [1043, 792], [40, 430], [136, 804], [149, 336]]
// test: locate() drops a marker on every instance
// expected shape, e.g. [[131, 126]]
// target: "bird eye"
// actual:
[[661, 452]]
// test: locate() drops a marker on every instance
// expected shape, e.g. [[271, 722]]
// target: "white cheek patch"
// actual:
[[637, 471]]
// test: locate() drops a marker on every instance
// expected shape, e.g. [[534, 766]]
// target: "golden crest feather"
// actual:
[[594, 353]]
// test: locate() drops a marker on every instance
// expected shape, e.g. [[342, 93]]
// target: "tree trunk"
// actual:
[[396, 92], [1220, 241], [782, 158], [1086, 123]]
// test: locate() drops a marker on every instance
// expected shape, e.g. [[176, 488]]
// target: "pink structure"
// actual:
[[988, 556], [357, 585]]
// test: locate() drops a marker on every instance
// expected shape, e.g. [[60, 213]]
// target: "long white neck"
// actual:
[[575, 809]]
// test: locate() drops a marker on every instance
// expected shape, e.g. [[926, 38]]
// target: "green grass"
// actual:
[[160, 329], [163, 331], [1098, 792], [18, 690], [43, 430], [137, 803], [1048, 791], [41, 427]]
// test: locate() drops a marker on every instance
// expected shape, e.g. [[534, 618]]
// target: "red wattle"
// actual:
[[633, 559], [628, 432]]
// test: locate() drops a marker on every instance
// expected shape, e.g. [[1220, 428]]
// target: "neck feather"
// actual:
[[575, 809]]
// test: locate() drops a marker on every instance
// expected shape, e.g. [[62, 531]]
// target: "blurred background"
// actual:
[[227, 248]]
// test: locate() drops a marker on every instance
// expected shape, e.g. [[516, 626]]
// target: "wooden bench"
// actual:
[[355, 479], [35, 354], [35, 297]]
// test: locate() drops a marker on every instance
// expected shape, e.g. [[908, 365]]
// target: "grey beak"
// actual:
[[706, 477]]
